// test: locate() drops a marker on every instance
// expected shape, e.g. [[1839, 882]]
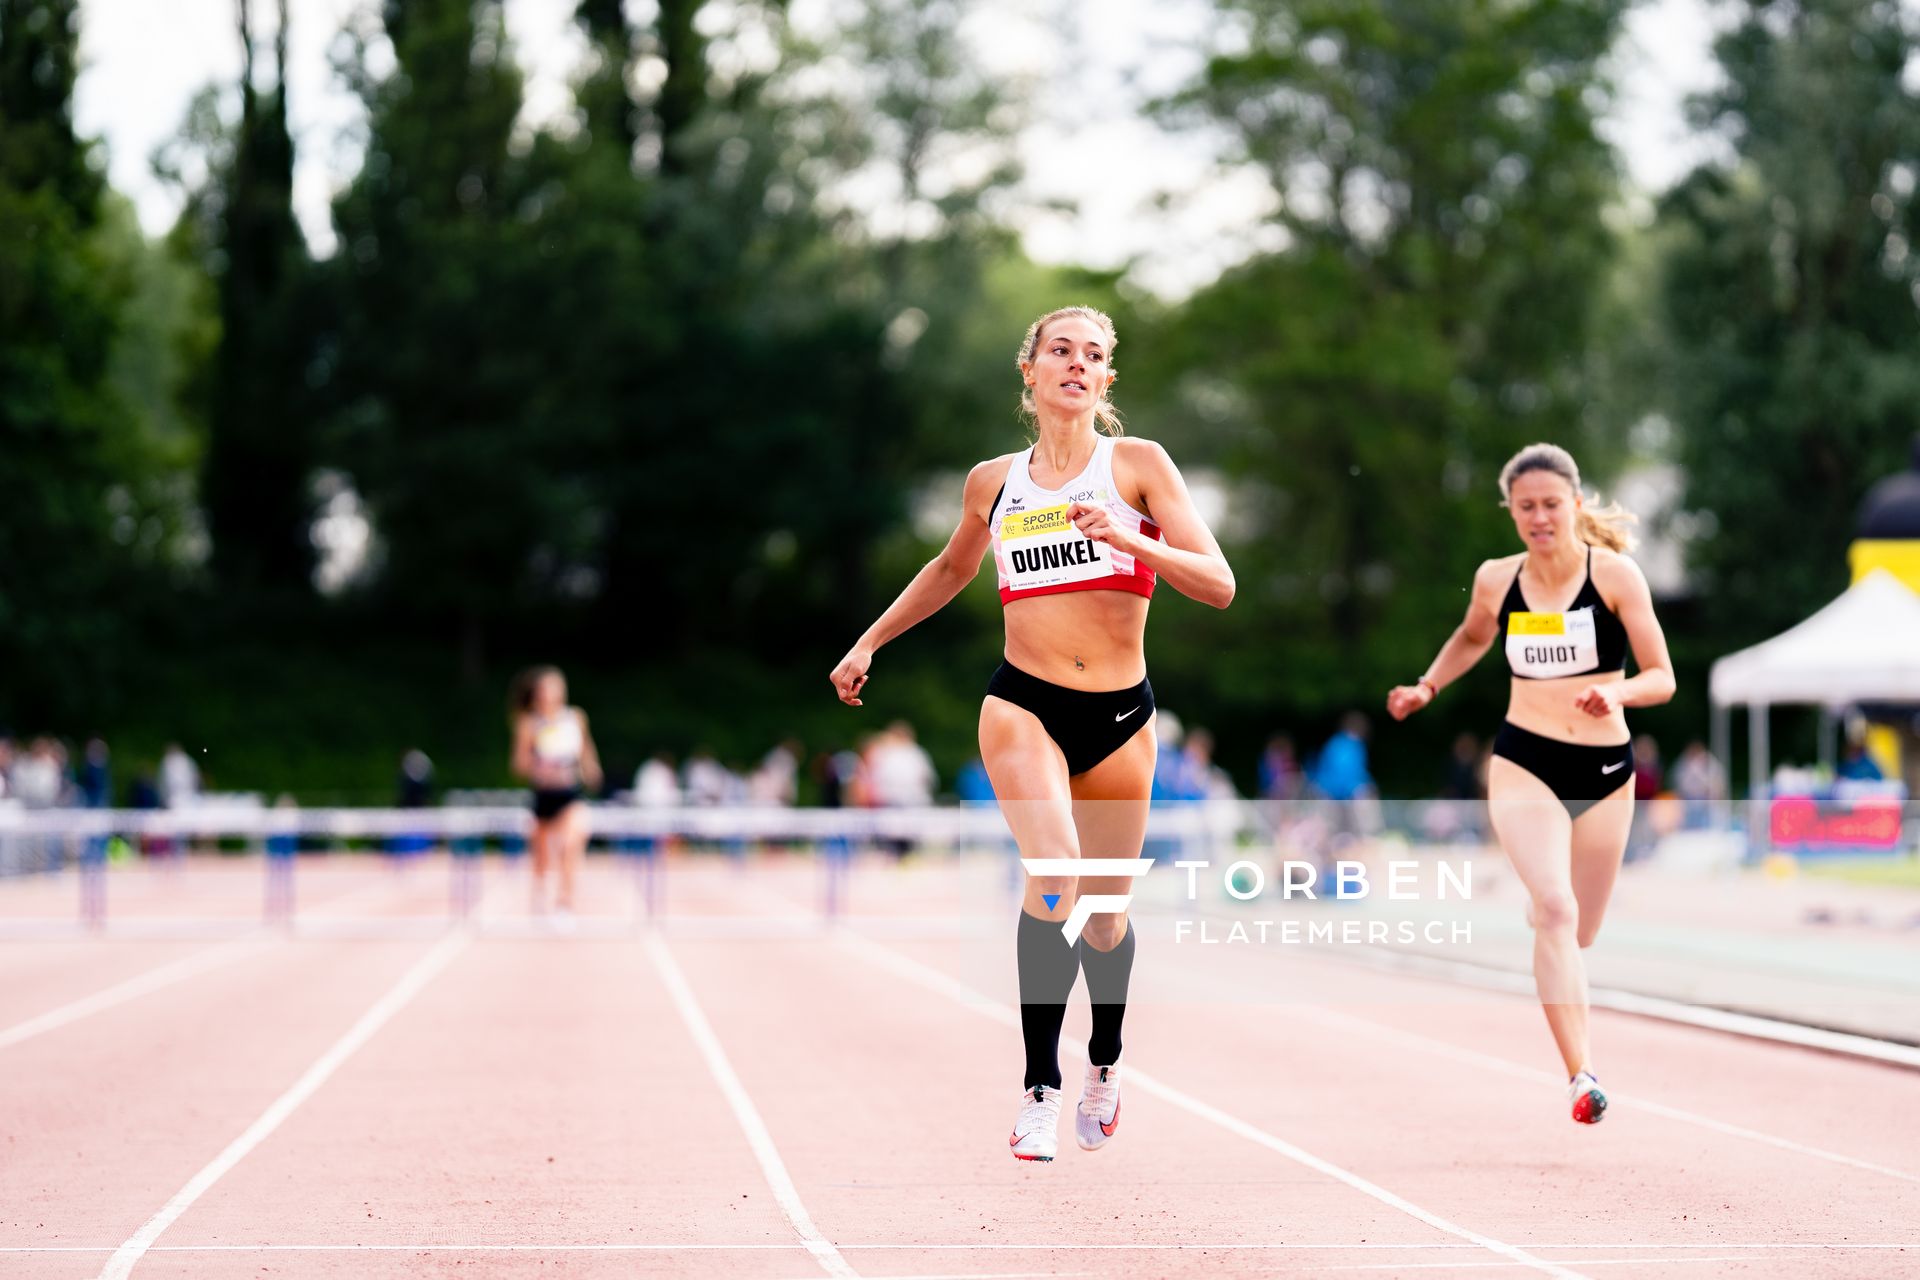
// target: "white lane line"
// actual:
[[1457, 1266], [758, 1137], [1442, 1049], [131, 989], [416, 977], [984, 1275], [967, 1246], [1756, 1027], [1753, 1026], [924, 975]]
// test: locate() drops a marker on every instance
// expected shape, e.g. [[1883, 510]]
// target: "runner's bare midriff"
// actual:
[[1546, 707], [1104, 630]]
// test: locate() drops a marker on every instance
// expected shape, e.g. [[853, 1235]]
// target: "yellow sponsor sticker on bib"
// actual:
[[1536, 624], [1031, 524]]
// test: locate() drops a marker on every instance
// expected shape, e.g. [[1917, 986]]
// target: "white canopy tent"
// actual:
[[1863, 647]]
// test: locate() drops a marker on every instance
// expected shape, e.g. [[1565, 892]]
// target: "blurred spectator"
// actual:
[[1647, 781], [1463, 777], [144, 793], [1701, 783], [1648, 777], [38, 780], [1282, 781], [1211, 781], [1460, 815], [416, 780], [972, 784], [95, 791], [705, 780], [1214, 788], [7, 757], [1856, 765], [414, 790], [1280, 775], [842, 780], [96, 776], [1340, 773], [1173, 777], [900, 772], [284, 843], [654, 786], [899, 775], [179, 778], [777, 780], [1340, 770]]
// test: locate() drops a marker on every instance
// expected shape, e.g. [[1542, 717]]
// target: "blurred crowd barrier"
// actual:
[[38, 840]]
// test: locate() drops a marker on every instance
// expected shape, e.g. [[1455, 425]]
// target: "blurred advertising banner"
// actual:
[[1804, 824]]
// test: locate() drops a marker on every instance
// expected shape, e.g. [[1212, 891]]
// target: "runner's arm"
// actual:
[[1653, 684], [1464, 648], [521, 761], [938, 582], [590, 772], [1186, 556]]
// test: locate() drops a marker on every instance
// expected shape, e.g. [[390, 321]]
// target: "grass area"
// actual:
[[1899, 870]]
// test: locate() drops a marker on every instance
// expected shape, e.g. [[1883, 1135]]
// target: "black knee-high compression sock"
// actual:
[[1107, 975], [1048, 966]]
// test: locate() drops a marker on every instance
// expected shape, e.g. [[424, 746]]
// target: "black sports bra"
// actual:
[[1585, 639]]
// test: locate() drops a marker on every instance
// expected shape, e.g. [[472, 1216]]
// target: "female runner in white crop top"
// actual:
[[1081, 527], [553, 750]]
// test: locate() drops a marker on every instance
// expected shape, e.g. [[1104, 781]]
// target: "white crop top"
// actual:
[[1039, 552], [558, 741]]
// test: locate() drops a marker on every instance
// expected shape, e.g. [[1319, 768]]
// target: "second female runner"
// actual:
[[1567, 608], [1082, 526]]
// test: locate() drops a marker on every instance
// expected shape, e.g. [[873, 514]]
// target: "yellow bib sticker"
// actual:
[[1031, 524], [1536, 624]]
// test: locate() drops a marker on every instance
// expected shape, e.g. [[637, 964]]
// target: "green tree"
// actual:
[[929, 128], [1790, 294], [163, 348], [1437, 192], [260, 452], [440, 336], [751, 369], [58, 413], [610, 111], [683, 88]]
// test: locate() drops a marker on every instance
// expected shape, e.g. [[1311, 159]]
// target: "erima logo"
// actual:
[[1088, 905]]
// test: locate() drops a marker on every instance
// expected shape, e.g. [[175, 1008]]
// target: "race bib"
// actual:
[[1545, 645], [1043, 549]]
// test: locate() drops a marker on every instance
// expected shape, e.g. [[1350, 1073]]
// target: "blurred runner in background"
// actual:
[[553, 750]]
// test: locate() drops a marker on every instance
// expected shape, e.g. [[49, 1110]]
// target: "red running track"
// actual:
[[740, 1101]]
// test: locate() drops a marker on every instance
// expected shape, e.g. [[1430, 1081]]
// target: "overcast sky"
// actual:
[[143, 62]]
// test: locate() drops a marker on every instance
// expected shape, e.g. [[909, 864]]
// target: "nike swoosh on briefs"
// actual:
[[1123, 715], [1615, 767]]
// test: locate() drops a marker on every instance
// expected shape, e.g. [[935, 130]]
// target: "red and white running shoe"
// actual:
[[1099, 1112], [1036, 1132], [1589, 1103]]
